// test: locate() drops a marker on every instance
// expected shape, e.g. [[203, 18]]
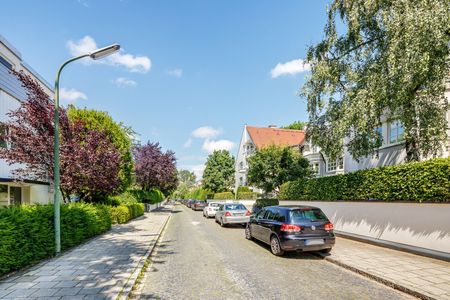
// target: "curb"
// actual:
[[128, 287], [379, 279]]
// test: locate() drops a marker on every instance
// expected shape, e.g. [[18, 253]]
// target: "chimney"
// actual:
[[273, 126]]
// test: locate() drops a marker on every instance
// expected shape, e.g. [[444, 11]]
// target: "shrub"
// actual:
[[200, 194], [27, 232], [243, 189], [124, 213], [247, 195], [416, 181], [127, 197], [266, 202], [224, 196]]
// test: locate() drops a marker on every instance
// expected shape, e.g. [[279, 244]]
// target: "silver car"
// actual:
[[232, 213], [211, 209]]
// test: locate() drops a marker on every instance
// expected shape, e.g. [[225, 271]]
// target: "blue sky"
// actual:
[[190, 74]]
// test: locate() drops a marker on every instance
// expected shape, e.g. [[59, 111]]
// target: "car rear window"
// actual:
[[234, 207], [214, 204], [314, 214]]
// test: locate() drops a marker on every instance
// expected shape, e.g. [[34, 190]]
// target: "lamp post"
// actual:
[[96, 54]]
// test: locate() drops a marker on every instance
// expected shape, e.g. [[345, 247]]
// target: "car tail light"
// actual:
[[290, 228], [328, 226], [227, 214], [247, 213]]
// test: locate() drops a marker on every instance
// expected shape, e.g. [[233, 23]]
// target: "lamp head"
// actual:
[[105, 51]]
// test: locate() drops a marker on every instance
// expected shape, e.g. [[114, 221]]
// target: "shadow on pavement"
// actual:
[[291, 254]]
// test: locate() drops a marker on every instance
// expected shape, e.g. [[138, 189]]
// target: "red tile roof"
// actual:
[[263, 137]]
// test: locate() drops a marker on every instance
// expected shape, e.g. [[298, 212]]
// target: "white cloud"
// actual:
[[133, 63], [290, 68], [124, 82], [175, 72], [71, 95], [206, 132], [209, 146], [188, 143]]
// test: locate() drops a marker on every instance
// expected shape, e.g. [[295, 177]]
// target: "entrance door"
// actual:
[[15, 195]]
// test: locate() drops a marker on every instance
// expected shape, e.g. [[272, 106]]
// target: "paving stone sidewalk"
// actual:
[[427, 277], [98, 269]]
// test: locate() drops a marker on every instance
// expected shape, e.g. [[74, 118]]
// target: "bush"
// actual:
[[243, 189], [127, 197], [247, 195], [416, 181], [200, 194], [224, 196], [27, 232], [124, 213], [260, 203]]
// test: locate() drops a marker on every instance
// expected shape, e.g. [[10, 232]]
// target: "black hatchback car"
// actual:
[[291, 228]]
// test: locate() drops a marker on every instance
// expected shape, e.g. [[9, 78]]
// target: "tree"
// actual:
[[297, 125], [390, 59], [88, 160], [219, 171], [187, 177], [117, 133], [155, 169], [270, 167]]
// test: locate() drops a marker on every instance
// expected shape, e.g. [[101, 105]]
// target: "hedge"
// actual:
[[124, 213], [416, 181], [153, 196], [27, 232], [265, 202], [243, 189], [247, 195], [200, 194], [224, 196]]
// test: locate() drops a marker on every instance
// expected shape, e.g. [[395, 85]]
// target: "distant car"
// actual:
[[198, 205], [232, 213], [211, 209], [190, 202], [292, 228]]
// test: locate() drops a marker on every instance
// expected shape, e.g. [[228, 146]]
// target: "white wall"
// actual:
[[39, 194]]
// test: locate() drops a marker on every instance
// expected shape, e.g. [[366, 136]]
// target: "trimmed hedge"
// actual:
[[243, 189], [27, 232], [247, 196], [124, 213], [153, 196], [416, 181], [266, 202], [224, 196]]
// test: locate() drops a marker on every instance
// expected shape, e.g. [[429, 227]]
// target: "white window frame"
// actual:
[[393, 133], [315, 167], [338, 165], [331, 163]]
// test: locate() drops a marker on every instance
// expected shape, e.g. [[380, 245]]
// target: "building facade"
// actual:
[[11, 94]]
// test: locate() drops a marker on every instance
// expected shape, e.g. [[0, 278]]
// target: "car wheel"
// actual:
[[222, 224], [275, 246], [248, 233], [325, 251]]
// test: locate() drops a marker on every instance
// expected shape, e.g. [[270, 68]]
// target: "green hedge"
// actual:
[[224, 196], [247, 196], [124, 213], [153, 196], [417, 181], [200, 194], [27, 232], [243, 189], [265, 202]]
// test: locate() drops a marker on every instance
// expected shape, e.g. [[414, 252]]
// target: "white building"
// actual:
[[11, 94], [256, 138]]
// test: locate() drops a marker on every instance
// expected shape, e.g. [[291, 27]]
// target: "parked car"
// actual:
[[292, 228], [232, 213], [190, 202], [211, 209], [198, 205]]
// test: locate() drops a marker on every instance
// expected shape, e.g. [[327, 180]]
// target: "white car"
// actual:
[[211, 209]]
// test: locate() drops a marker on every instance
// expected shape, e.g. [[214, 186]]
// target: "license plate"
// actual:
[[238, 214], [314, 242]]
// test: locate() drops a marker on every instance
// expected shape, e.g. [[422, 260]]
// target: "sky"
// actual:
[[190, 74]]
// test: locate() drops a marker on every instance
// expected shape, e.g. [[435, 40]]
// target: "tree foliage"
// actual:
[[187, 177], [219, 172], [89, 161], [390, 59], [297, 125], [154, 168], [117, 133], [270, 167]]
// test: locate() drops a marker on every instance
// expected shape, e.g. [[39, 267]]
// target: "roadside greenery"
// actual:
[[379, 58], [124, 213], [186, 181], [223, 196], [27, 232], [246, 195], [219, 172], [416, 181], [199, 194], [270, 167]]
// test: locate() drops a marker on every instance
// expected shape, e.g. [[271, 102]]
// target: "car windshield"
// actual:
[[234, 207], [313, 214]]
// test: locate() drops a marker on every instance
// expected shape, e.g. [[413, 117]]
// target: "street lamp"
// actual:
[[95, 54]]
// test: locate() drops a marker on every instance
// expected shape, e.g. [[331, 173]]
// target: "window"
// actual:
[[315, 167], [6, 63], [331, 166], [260, 214], [278, 216], [241, 180], [3, 131], [396, 132], [313, 214], [241, 165], [340, 163], [379, 131]]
